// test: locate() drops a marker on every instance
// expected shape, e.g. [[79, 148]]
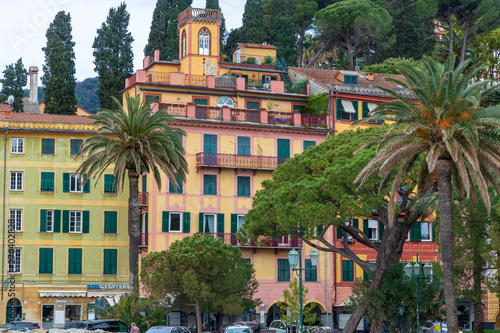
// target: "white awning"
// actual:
[[111, 297], [348, 106], [62, 293], [371, 106]]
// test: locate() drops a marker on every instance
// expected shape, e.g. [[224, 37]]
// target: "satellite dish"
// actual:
[[208, 63], [10, 100]]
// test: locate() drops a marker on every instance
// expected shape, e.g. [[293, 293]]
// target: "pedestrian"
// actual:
[[135, 329], [212, 324], [18, 317], [256, 327]]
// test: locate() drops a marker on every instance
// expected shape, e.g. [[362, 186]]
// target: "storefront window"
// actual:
[[73, 312], [47, 316]]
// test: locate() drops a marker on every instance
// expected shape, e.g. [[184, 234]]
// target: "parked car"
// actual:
[[110, 325], [436, 327], [22, 326], [168, 329], [279, 326], [248, 324], [238, 329]]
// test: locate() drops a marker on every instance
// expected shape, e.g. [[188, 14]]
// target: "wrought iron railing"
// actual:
[[143, 198], [257, 85], [251, 162], [285, 242], [159, 77], [199, 12], [176, 110], [195, 80], [280, 118], [313, 120], [245, 115], [225, 83], [208, 112], [143, 239]]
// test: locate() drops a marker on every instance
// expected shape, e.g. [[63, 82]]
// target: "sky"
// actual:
[[25, 22]]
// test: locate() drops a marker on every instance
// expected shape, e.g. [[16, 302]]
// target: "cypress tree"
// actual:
[[281, 28], [59, 67], [164, 34], [15, 78], [214, 4], [232, 38], [252, 30], [113, 55]]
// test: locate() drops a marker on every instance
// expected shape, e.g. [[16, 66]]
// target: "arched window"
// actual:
[[204, 42], [225, 101], [183, 43]]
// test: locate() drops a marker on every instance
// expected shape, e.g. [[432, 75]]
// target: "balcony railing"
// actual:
[[175, 110], [285, 242], [195, 80], [280, 118], [143, 239], [225, 83], [208, 112], [313, 120], [159, 77], [232, 161], [143, 198], [199, 12], [244, 115]]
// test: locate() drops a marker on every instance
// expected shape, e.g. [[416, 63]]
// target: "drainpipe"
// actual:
[[326, 288], [4, 212], [335, 280]]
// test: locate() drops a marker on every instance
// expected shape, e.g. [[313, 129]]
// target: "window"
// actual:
[[76, 145], [351, 79], [201, 101], [426, 231], [74, 261], [172, 222], [110, 261], [251, 105], [45, 261], [208, 223], [243, 186], [204, 42], [183, 43], [17, 145], [16, 180], [72, 183], [75, 184], [308, 144], [310, 272], [236, 222], [210, 184], [75, 221], [109, 184], [48, 147], [16, 220], [14, 261], [372, 229], [346, 110], [110, 222], [421, 231], [347, 270], [225, 101], [210, 149], [47, 182], [244, 146], [283, 150], [50, 220], [298, 108], [176, 189], [283, 270], [238, 55]]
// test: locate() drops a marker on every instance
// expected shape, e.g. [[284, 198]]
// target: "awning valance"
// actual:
[[62, 293], [371, 106], [348, 107]]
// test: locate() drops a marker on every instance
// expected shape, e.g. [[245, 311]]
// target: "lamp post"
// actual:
[[295, 258], [414, 271]]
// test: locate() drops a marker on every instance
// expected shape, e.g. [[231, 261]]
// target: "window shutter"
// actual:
[[201, 222], [45, 261], [220, 223], [85, 224], [57, 221], [365, 111], [109, 181], [186, 222], [114, 260], [71, 261], [355, 114], [355, 223], [319, 229], [434, 224], [65, 221], [66, 182], [381, 228], [339, 233], [110, 222], [234, 223], [78, 261], [365, 227], [49, 257], [43, 185], [43, 220], [416, 232], [147, 223], [86, 186], [338, 106], [165, 221]]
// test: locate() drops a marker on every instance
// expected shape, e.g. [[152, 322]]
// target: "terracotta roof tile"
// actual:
[[4, 107], [261, 46], [319, 76], [49, 118]]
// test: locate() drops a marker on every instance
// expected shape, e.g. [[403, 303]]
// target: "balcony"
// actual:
[[143, 198], [143, 239], [285, 242], [232, 161], [211, 14], [312, 120], [208, 112]]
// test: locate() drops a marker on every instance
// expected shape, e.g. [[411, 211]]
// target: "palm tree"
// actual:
[[456, 140], [134, 141]]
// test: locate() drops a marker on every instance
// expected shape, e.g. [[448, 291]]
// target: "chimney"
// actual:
[[33, 84], [267, 41], [369, 76]]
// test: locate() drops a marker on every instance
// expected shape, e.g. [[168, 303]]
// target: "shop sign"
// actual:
[[108, 287]]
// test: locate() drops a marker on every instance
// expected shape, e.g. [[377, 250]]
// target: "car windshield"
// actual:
[[159, 330]]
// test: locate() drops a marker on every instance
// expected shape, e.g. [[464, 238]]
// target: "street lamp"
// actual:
[[414, 271], [295, 258]]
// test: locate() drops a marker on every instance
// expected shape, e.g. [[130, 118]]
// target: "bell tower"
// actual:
[[199, 41]]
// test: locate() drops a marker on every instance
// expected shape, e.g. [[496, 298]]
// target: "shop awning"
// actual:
[[62, 293], [348, 107], [111, 297]]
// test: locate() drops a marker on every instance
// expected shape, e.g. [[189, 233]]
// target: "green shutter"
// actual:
[[220, 223], [234, 223], [339, 233], [66, 182], [244, 146], [355, 114], [365, 227], [381, 228], [253, 105], [144, 183], [75, 261], [319, 229], [147, 223], [65, 221], [186, 222], [110, 222], [165, 221], [43, 220], [308, 144], [310, 271], [365, 110], [201, 222], [416, 232], [45, 261], [48, 146], [347, 271], [109, 181], [283, 150], [86, 186], [434, 226], [338, 106], [110, 261], [47, 182], [57, 221], [76, 145], [200, 101], [85, 224], [355, 223]]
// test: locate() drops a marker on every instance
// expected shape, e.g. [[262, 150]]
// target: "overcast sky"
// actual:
[[25, 22]]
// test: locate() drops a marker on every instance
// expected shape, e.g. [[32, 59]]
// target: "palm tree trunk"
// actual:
[[447, 239], [133, 230], [477, 266]]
